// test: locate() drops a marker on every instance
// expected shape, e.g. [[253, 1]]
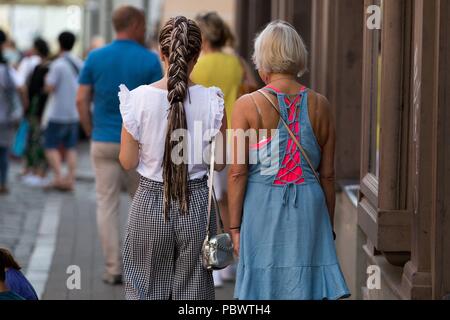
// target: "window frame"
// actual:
[[384, 209]]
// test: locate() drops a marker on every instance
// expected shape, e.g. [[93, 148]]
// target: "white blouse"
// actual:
[[144, 113]]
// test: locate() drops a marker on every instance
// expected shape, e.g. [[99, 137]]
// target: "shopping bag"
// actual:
[[20, 141]]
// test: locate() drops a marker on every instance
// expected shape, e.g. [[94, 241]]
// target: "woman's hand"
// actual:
[[236, 237]]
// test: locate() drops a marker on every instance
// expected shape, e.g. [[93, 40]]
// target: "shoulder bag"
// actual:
[[217, 251]]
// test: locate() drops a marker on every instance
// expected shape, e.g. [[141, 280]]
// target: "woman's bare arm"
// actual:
[[129, 151], [327, 140], [237, 176]]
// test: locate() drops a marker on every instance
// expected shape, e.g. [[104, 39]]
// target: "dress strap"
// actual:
[[275, 91], [272, 90], [258, 110], [303, 89]]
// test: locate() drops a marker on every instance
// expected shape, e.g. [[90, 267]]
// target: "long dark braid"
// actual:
[[180, 41]]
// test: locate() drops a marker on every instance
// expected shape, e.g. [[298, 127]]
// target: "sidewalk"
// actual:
[[61, 231], [20, 215], [78, 245]]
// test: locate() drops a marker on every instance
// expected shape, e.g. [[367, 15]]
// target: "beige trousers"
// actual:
[[110, 180]]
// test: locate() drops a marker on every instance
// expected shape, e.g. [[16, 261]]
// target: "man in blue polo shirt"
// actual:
[[124, 61]]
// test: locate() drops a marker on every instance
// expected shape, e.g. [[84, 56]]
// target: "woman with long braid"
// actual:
[[167, 223]]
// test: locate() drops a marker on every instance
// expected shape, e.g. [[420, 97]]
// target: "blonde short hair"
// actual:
[[280, 49]]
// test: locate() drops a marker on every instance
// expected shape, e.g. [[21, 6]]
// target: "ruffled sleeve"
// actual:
[[128, 111], [217, 111]]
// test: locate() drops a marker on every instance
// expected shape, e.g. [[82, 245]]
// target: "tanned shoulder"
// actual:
[[321, 116]]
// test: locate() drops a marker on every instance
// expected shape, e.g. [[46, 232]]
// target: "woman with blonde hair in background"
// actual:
[[167, 222], [282, 200], [216, 67]]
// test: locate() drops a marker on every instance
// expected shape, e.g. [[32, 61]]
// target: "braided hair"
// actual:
[[181, 41]]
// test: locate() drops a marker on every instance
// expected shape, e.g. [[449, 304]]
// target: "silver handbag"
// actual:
[[217, 251]]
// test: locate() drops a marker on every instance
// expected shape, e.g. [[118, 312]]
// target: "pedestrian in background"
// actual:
[[11, 54], [29, 62], [8, 88], [218, 68], [282, 216], [5, 292], [168, 218], [14, 278], [35, 161], [61, 117], [124, 61]]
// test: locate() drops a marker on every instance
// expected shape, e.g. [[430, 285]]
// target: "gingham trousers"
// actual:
[[162, 259]]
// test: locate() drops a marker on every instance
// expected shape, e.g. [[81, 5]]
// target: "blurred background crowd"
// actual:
[[52, 87], [31, 41]]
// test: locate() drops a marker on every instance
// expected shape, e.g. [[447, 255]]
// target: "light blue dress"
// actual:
[[287, 250]]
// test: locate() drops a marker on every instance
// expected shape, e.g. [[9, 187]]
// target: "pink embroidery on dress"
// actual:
[[291, 170]]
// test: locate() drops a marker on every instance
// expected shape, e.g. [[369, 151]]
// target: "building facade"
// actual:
[[388, 83], [97, 13], [25, 20], [98, 17]]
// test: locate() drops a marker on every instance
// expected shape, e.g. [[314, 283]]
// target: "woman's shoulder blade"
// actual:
[[317, 97]]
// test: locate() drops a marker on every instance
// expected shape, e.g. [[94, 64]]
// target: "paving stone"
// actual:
[[76, 241]]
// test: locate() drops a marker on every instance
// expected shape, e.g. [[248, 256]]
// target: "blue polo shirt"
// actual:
[[121, 62]]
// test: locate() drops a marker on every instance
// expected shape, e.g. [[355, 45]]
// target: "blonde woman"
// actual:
[[215, 66], [281, 215], [167, 222]]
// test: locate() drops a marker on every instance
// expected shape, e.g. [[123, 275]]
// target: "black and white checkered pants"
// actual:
[[162, 259]]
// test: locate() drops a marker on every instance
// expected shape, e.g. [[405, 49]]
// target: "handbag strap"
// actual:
[[72, 64], [211, 194], [293, 137]]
